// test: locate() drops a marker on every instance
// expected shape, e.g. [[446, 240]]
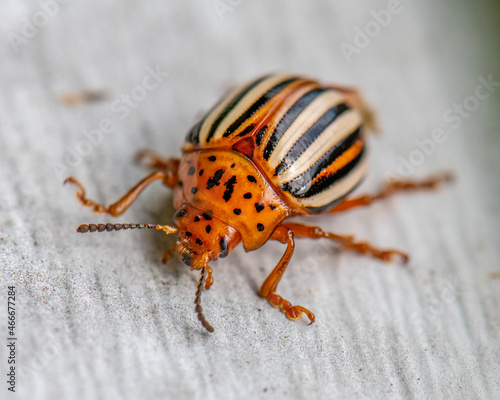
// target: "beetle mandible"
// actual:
[[277, 147]]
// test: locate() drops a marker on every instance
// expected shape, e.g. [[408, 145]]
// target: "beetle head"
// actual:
[[203, 237]]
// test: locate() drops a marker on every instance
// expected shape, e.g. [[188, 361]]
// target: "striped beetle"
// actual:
[[277, 147]]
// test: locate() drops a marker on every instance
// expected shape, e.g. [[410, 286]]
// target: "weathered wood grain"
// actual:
[[100, 318]]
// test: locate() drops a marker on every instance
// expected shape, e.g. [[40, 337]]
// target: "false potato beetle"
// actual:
[[278, 147]]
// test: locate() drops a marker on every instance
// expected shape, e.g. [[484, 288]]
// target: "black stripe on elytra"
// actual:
[[287, 119], [248, 129], [301, 185], [258, 104], [260, 135], [328, 180], [215, 180], [193, 135], [310, 136], [229, 188], [232, 104], [329, 206]]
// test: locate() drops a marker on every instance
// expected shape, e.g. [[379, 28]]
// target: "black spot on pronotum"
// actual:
[[229, 189], [207, 216], [193, 190], [251, 178], [272, 207], [188, 234], [215, 180], [197, 218], [208, 228], [198, 241], [180, 213], [259, 207], [200, 173], [260, 227], [224, 248], [212, 158], [247, 195], [191, 171], [180, 183], [237, 211]]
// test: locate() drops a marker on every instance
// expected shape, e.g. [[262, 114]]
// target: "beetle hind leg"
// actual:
[[394, 186], [268, 290], [347, 242]]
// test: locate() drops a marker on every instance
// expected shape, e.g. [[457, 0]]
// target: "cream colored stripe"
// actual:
[[205, 128], [247, 101], [338, 189], [287, 104], [302, 123], [342, 127]]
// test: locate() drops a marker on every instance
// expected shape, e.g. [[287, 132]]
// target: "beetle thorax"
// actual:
[[229, 187]]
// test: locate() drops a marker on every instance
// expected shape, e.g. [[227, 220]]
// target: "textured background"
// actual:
[[100, 318]]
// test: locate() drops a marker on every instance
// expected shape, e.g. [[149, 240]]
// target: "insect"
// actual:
[[277, 147]]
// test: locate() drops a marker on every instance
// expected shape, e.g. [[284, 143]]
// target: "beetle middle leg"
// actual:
[[268, 290], [392, 188], [119, 207], [346, 241]]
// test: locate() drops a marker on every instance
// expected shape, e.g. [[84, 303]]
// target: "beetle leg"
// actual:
[[391, 188], [347, 242], [210, 278], [119, 207], [153, 160], [354, 99], [168, 254], [268, 290]]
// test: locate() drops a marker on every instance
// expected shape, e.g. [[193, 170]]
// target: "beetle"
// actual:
[[279, 146]]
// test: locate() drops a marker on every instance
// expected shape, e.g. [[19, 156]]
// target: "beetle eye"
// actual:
[[186, 258], [224, 249], [179, 213]]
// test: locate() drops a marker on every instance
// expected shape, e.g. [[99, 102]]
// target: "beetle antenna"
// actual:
[[118, 227], [197, 301]]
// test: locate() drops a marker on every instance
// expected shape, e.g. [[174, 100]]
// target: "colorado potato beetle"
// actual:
[[277, 147]]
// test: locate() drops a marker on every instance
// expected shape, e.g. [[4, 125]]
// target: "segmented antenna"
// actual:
[[197, 301], [118, 227]]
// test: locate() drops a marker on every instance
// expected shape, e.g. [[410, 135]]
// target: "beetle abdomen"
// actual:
[[308, 142]]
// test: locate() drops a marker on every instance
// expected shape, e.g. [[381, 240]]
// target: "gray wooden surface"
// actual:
[[100, 318]]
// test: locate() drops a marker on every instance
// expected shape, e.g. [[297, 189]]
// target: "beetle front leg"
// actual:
[[268, 290], [119, 207], [347, 242]]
